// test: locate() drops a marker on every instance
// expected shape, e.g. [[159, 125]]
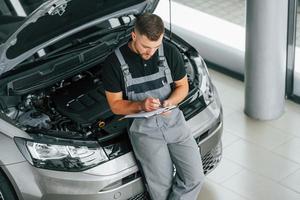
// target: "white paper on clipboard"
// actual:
[[144, 114]]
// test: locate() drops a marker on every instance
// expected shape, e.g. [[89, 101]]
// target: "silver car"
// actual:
[[58, 138]]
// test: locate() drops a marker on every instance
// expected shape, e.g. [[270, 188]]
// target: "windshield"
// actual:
[[12, 13]]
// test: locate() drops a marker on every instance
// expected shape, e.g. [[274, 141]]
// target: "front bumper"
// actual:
[[117, 179], [112, 180], [207, 128]]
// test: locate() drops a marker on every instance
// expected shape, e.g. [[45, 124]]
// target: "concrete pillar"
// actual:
[[265, 58]]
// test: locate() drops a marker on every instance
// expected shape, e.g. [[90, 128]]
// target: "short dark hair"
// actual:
[[150, 25]]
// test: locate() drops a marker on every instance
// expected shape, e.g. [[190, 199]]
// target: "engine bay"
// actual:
[[75, 107], [64, 96]]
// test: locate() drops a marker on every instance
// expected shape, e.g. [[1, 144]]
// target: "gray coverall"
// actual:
[[161, 141]]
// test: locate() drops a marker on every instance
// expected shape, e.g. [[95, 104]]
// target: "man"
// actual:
[[138, 77]]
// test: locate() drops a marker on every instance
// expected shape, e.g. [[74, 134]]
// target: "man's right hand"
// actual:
[[150, 104], [120, 106]]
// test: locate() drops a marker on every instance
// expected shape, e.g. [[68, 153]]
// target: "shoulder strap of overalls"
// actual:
[[163, 63], [124, 68]]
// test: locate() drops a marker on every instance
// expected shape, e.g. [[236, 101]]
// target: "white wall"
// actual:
[[217, 40]]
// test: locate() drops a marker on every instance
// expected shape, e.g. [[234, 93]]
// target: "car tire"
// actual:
[[6, 190]]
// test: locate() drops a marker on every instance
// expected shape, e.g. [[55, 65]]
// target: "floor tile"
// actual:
[[288, 122], [213, 191], [226, 81], [293, 181], [292, 106], [290, 150], [260, 160], [258, 132], [228, 109], [225, 170], [231, 91], [231, 99], [228, 138], [229, 96], [253, 186]]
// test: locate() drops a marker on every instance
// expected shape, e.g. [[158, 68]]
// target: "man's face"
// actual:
[[143, 46]]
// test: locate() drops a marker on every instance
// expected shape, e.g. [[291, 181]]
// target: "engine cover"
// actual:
[[83, 101]]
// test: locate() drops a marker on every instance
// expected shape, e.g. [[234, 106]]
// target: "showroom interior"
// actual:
[[252, 52], [261, 137]]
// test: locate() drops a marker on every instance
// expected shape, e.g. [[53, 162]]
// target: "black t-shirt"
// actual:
[[112, 75]]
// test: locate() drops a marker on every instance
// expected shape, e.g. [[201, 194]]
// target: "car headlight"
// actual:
[[205, 85], [62, 156]]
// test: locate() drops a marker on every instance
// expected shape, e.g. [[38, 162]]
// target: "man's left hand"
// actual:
[[167, 103]]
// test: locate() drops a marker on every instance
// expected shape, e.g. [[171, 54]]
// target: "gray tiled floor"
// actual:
[[261, 158], [231, 10]]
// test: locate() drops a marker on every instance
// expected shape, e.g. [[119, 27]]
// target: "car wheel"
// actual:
[[6, 190]]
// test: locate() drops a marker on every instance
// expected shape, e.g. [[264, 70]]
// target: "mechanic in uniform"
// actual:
[[144, 75]]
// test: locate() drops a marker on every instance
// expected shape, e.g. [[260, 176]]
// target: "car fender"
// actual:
[[9, 152]]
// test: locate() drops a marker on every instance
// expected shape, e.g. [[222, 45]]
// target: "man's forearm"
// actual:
[[180, 92], [125, 107], [178, 95], [120, 106]]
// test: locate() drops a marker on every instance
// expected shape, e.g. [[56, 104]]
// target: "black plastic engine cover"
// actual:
[[83, 101]]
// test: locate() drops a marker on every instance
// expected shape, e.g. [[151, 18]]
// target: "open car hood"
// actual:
[[57, 19]]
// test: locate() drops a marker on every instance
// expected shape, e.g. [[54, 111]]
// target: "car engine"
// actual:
[[74, 107]]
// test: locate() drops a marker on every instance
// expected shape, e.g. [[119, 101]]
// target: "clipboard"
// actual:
[[144, 114]]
